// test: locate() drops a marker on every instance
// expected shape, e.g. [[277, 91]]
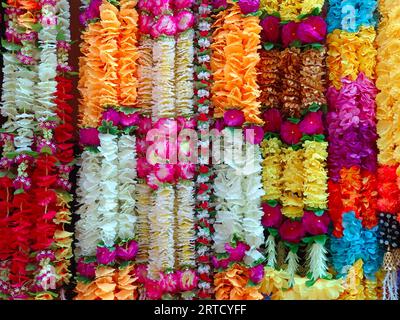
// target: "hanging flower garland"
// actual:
[[387, 116]]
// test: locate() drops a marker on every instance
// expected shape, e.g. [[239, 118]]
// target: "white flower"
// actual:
[[203, 93], [203, 75], [204, 26]]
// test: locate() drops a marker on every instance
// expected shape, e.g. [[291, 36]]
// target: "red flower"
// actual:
[[312, 123], [289, 33], [271, 29], [203, 169], [272, 216], [313, 29], [290, 133], [314, 224], [273, 120], [292, 231]]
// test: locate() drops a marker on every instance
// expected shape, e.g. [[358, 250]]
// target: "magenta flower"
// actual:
[[165, 173], [224, 263], [111, 115], [257, 273], [159, 7], [145, 5], [87, 270], [141, 272], [272, 216], [169, 282], [312, 123], [144, 125], [143, 168], [89, 137], [105, 255], [141, 146], [152, 181], [184, 123], [185, 171], [128, 120], [183, 4], [145, 24], [289, 33], [311, 30], [254, 134], [165, 25], [249, 6], [236, 253], [271, 29], [128, 251], [314, 224], [187, 280], [184, 20], [290, 133], [272, 120], [219, 124], [167, 126], [292, 231], [153, 290], [234, 118], [219, 4]]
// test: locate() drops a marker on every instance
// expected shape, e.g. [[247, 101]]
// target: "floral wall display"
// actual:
[[205, 150]]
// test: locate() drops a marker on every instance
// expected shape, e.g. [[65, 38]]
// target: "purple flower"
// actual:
[[311, 30], [236, 253], [289, 33], [105, 255], [312, 123], [254, 134], [272, 120], [271, 29], [272, 216], [234, 118], [290, 133], [128, 120], [314, 224], [249, 6], [89, 137], [219, 124], [111, 115], [292, 231], [87, 270], [257, 273], [219, 4], [128, 251]]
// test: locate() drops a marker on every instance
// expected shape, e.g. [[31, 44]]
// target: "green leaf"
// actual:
[[61, 36], [276, 14], [46, 150], [296, 147], [272, 203], [302, 16], [296, 44], [310, 283], [293, 247], [308, 240], [257, 13], [89, 259], [294, 120], [10, 46], [92, 149], [128, 110], [83, 279], [4, 5], [19, 191], [73, 73], [30, 267], [317, 46], [321, 239], [251, 284], [319, 212], [268, 46], [273, 232], [316, 11], [314, 107], [37, 27], [3, 174], [283, 22], [270, 135]]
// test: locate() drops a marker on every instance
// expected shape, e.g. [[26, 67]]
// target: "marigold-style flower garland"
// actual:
[[106, 231], [388, 158], [352, 137], [238, 189]]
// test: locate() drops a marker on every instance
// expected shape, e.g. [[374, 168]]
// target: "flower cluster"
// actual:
[[291, 10]]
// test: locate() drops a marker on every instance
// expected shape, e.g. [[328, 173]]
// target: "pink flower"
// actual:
[[184, 20], [290, 133], [249, 6], [183, 4], [128, 251], [271, 29], [237, 253], [159, 7], [141, 272], [234, 118], [273, 120], [153, 290], [314, 224], [185, 171], [311, 30], [141, 146], [105, 255], [165, 149], [144, 126], [145, 24], [257, 273], [111, 115], [289, 33], [312, 123], [272, 216], [128, 120], [165, 25], [89, 137], [165, 173], [87, 270], [143, 168], [152, 181], [169, 282], [184, 123], [167, 126], [254, 134], [224, 263], [187, 280], [292, 231], [145, 5], [219, 124], [219, 4]]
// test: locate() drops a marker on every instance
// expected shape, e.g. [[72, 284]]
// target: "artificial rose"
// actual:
[[128, 120], [144, 125], [253, 134], [143, 168], [145, 24], [128, 251], [183, 4], [111, 115], [312, 123], [292, 231], [249, 6], [105, 255], [141, 146], [165, 25], [219, 124], [153, 290], [234, 118], [271, 29], [167, 126], [272, 120], [315, 225], [272, 216], [184, 20], [312, 29], [165, 173], [185, 171], [141, 272], [169, 282], [89, 137], [290, 133], [145, 5], [289, 33], [159, 7]]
